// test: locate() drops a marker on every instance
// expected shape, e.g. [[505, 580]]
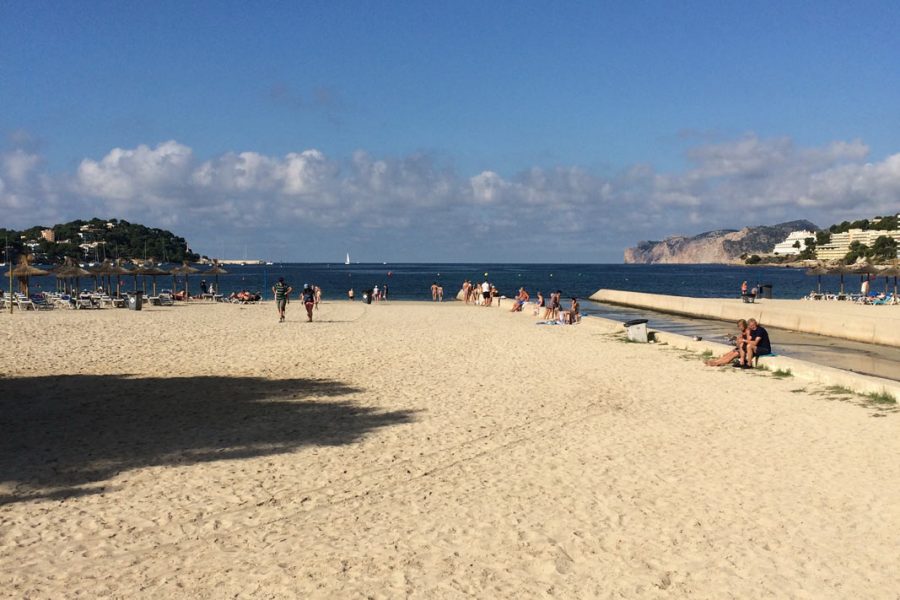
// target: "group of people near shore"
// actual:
[[373, 294], [751, 341], [310, 295], [479, 294], [549, 309]]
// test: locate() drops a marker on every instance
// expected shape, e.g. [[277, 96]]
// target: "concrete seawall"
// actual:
[[869, 324], [803, 371]]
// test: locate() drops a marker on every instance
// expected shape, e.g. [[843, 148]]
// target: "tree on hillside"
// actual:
[[884, 249]]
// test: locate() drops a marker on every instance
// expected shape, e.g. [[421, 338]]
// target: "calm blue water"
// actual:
[[412, 281]]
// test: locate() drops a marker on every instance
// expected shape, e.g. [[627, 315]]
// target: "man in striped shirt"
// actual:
[[281, 291]]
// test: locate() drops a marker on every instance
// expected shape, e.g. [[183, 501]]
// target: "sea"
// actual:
[[412, 281]]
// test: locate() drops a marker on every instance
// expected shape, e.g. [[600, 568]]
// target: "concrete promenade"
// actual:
[[845, 320]]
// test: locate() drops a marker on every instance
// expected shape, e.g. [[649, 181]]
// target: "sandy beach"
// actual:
[[426, 451]]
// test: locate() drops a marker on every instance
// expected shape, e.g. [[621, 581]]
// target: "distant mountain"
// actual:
[[723, 246]]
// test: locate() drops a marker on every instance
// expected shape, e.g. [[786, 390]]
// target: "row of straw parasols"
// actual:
[[70, 273], [861, 268]]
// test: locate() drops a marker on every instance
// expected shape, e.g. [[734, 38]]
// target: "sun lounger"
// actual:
[[40, 302], [24, 303]]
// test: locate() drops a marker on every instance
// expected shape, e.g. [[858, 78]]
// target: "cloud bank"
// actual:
[[309, 206]]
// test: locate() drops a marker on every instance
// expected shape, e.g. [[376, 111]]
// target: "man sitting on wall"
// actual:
[[758, 345]]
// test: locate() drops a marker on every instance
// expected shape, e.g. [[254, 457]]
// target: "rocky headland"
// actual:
[[722, 246]]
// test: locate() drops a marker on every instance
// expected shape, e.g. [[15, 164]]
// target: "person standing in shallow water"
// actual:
[[281, 291]]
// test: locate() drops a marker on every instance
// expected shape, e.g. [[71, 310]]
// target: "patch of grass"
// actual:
[[839, 389], [881, 398], [799, 391], [706, 354], [782, 373], [762, 367]]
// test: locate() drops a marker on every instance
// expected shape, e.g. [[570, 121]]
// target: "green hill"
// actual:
[[97, 239]]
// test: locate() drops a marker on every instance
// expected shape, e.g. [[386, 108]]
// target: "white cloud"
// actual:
[[413, 200], [134, 174]]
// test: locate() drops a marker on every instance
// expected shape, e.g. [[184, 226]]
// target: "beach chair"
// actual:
[[84, 301], [24, 302], [166, 300], [64, 301], [40, 302]]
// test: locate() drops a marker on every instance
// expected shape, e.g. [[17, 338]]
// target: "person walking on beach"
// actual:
[[350, 294], [281, 291], [309, 300]]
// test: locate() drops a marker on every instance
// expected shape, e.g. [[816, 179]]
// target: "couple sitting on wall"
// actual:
[[752, 341]]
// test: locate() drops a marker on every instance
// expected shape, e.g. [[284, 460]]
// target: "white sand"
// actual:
[[429, 451]]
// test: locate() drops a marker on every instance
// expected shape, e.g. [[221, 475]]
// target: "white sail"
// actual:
[[347, 260]]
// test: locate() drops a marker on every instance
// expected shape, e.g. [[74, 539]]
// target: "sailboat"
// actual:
[[347, 260]]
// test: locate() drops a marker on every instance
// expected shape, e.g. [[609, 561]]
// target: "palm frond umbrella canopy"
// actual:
[[892, 271], [216, 270], [150, 270], [185, 269], [69, 271], [106, 269], [122, 270], [863, 269], [23, 271], [818, 271]]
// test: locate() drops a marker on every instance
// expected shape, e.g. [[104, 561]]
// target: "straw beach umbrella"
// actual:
[[106, 269], [23, 271], [892, 271], [818, 271], [216, 270], [150, 270], [122, 270], [861, 268], [185, 269], [69, 271]]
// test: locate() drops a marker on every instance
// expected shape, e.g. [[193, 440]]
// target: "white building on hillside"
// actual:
[[840, 242], [788, 246]]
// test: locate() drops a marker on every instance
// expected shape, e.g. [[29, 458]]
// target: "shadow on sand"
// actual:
[[58, 434]]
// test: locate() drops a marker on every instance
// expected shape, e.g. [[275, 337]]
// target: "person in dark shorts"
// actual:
[[309, 300], [757, 345], [281, 291]]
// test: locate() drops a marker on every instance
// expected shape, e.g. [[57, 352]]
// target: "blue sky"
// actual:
[[447, 131]]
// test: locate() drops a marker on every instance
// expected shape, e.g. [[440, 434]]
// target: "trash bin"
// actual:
[[765, 291], [636, 330], [135, 300]]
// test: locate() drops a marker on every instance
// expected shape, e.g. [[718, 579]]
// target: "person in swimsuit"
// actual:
[[739, 341], [309, 300]]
